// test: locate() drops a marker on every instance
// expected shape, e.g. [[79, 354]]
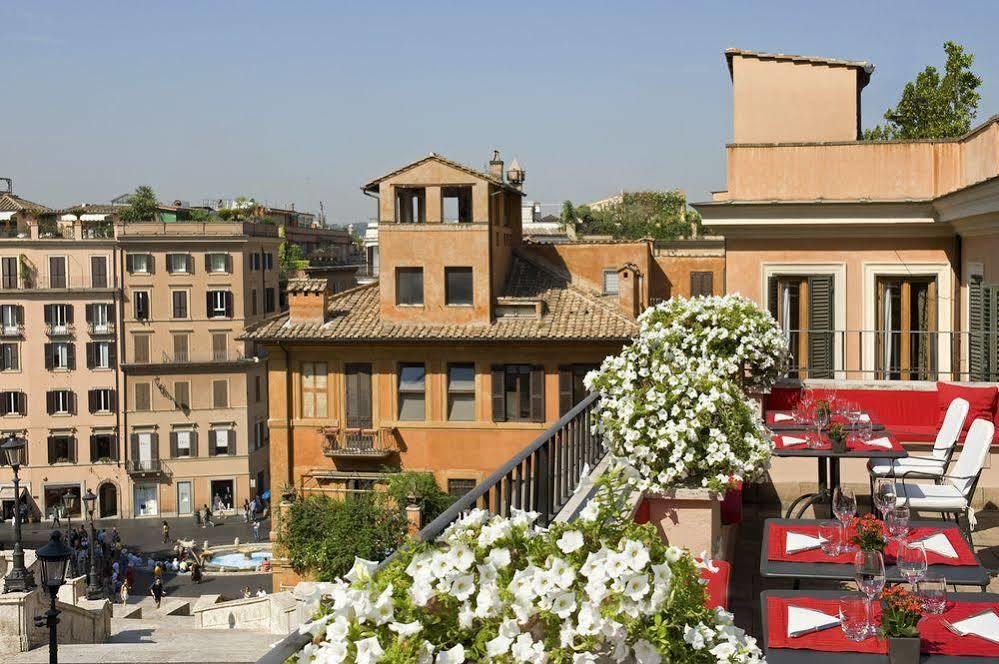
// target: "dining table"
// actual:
[[829, 646]]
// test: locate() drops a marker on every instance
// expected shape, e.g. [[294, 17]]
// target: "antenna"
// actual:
[[322, 215], [9, 183]]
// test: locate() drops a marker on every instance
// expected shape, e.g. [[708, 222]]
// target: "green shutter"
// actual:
[[773, 297], [976, 325], [990, 338], [820, 326]]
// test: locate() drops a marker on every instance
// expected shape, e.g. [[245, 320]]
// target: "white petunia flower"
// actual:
[[571, 540], [369, 650], [406, 629]]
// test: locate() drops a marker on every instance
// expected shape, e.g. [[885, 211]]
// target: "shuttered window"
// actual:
[[143, 396], [804, 308], [99, 271], [12, 318], [461, 392], [906, 322], [518, 393], [60, 402], [358, 394], [219, 304], [10, 359], [8, 265], [179, 263], [412, 393], [220, 394], [181, 342], [183, 443], [100, 355], [101, 400], [221, 441], [314, 389], [57, 272], [179, 302], [983, 314], [13, 403], [571, 389], [103, 447], [140, 348], [140, 302], [702, 284]]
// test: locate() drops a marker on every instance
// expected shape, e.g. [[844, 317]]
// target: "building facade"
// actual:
[[120, 356]]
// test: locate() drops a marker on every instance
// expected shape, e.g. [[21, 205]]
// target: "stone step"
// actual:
[[129, 611]]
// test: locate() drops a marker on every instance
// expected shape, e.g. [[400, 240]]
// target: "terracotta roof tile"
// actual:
[[433, 156], [12, 203]]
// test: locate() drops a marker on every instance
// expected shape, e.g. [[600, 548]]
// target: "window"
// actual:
[[410, 205], [179, 301], [57, 272], [412, 392], [983, 342], [99, 271], [182, 443], [100, 355], [220, 393], [254, 261], [409, 286], [906, 344], [610, 282], [62, 449], [253, 301], [60, 356], [217, 263], [268, 261], [221, 440], [269, 300], [140, 348], [180, 347], [803, 307], [457, 488], [259, 434], [103, 447], [10, 359], [314, 389], [461, 392], [8, 268], [219, 304], [140, 302], [219, 346], [60, 402], [13, 403], [257, 390], [100, 317], [182, 395], [358, 394], [456, 204], [458, 285], [570, 385], [143, 396], [12, 318], [58, 317], [178, 263], [702, 284], [518, 393], [139, 263], [101, 400]]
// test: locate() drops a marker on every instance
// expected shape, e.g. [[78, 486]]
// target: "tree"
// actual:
[[422, 487], [290, 256], [934, 106], [142, 205], [659, 215]]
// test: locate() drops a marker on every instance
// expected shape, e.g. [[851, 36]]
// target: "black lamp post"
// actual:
[[19, 579], [53, 557], [68, 507], [95, 590]]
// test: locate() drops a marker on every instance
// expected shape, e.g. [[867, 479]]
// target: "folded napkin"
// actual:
[[940, 544], [805, 621], [882, 442], [864, 417], [788, 441], [985, 625], [798, 542], [783, 417]]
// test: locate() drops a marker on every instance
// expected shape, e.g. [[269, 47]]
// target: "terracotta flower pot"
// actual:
[[688, 518], [903, 650]]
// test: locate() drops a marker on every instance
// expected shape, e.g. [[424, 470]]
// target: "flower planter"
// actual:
[[731, 506], [688, 518], [903, 650]]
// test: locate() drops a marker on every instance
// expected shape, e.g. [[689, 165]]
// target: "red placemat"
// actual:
[[779, 441], [855, 444], [935, 639], [717, 586], [777, 539], [828, 640]]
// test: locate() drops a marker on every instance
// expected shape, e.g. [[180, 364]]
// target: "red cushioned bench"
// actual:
[[912, 415]]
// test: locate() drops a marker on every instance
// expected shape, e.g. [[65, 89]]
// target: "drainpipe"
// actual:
[[957, 349], [121, 416], [288, 394]]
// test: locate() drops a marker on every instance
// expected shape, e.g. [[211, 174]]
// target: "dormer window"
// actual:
[[410, 205], [456, 204], [611, 286]]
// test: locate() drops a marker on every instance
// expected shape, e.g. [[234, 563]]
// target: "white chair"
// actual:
[[956, 489], [927, 467]]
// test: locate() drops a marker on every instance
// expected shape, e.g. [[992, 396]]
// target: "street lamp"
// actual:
[[53, 557], [19, 579], [68, 507], [95, 590]]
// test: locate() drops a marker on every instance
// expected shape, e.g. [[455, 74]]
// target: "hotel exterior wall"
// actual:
[[587, 261], [674, 274]]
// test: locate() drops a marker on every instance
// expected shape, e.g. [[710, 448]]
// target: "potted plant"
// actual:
[[837, 434], [871, 534], [900, 614]]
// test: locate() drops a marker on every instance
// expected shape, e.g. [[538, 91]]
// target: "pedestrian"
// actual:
[[56, 523], [246, 511], [195, 573], [208, 518], [123, 591], [166, 532], [256, 531], [115, 537], [247, 593], [158, 572], [130, 576], [156, 590], [261, 592]]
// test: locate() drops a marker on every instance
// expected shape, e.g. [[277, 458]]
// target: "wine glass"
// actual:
[[869, 573], [884, 496], [933, 590], [844, 504], [821, 423], [829, 534], [912, 562], [897, 521]]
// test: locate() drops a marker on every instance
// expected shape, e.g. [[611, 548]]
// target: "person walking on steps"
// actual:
[[156, 590], [166, 532]]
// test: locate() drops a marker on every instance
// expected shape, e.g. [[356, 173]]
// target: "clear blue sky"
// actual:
[[302, 102]]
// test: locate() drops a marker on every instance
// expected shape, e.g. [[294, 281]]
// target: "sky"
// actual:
[[299, 102]]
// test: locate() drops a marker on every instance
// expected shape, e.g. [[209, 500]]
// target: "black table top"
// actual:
[[962, 575], [792, 656], [827, 453]]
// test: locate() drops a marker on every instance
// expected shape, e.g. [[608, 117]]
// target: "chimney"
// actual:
[[496, 166], [308, 300], [516, 175], [628, 295]]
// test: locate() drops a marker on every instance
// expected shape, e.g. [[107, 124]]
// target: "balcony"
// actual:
[[97, 230], [60, 330], [357, 443], [201, 357], [13, 330], [100, 329], [145, 467]]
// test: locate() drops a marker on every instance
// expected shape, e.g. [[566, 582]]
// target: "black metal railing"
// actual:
[[540, 478]]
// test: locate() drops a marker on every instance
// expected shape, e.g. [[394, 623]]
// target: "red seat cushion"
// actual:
[[982, 401], [915, 433]]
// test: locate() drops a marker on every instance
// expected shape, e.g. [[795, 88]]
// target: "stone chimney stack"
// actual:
[[496, 166], [629, 295], [308, 300]]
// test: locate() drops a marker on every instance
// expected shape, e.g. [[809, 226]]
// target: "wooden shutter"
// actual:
[[69, 314], [88, 313], [92, 400], [91, 351], [538, 393], [194, 443], [820, 324], [129, 263], [47, 314], [19, 314], [211, 443], [48, 357], [49, 403], [773, 297], [564, 389], [22, 403], [228, 304], [228, 263], [71, 355], [208, 304], [499, 394], [135, 446], [151, 263], [358, 395], [72, 403], [976, 327], [232, 442], [112, 355], [990, 318], [173, 444]]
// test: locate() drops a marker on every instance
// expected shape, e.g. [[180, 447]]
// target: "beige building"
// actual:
[[120, 360]]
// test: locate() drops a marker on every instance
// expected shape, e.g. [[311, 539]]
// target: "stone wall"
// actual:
[[275, 614]]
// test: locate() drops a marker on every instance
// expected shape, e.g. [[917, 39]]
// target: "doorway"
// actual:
[[223, 494], [107, 496], [185, 498], [145, 500]]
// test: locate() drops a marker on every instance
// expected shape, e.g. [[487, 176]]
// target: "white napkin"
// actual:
[[783, 417], [788, 441], [985, 625], [864, 417], [938, 543], [797, 542], [879, 442], [803, 621]]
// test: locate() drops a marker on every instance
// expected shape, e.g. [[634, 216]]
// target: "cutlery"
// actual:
[[954, 630]]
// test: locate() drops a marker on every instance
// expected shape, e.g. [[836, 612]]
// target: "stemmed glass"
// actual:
[[912, 562], [869, 573], [844, 506], [884, 495], [821, 424], [897, 522]]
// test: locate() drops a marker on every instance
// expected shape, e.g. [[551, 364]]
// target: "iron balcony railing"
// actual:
[[60, 329], [143, 466], [99, 329], [11, 330], [359, 442], [540, 478], [199, 357], [879, 354]]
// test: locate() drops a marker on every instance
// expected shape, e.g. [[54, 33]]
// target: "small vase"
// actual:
[[839, 446], [903, 650]]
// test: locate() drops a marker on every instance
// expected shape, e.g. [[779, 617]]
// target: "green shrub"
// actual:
[[423, 487]]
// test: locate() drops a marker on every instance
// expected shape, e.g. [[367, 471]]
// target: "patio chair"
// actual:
[[956, 489], [930, 467]]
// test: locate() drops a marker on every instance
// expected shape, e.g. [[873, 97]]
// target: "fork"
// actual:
[[954, 630]]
